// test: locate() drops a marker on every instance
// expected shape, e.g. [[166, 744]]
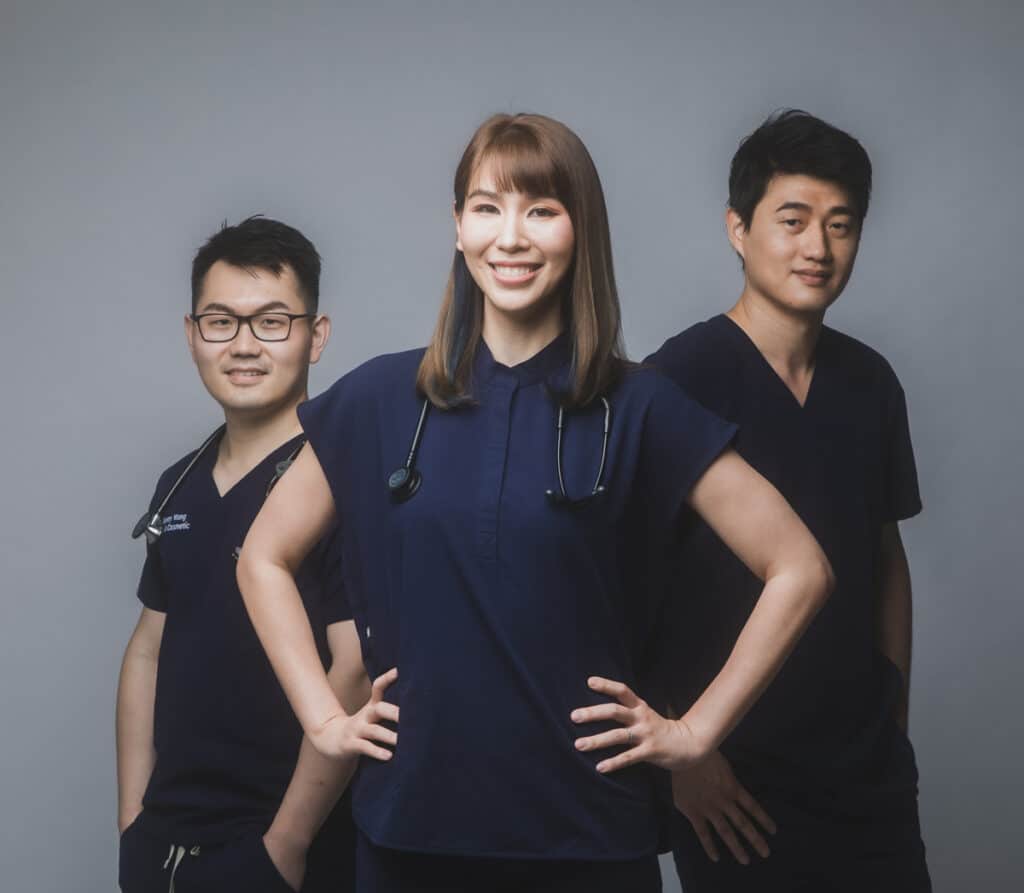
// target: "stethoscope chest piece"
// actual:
[[150, 524], [403, 483]]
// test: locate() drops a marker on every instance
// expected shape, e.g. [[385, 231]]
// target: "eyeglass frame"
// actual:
[[239, 319]]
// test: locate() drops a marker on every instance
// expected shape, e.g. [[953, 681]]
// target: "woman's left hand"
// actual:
[[649, 736]]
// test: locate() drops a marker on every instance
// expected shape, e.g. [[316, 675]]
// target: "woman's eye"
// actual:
[[485, 209], [543, 212]]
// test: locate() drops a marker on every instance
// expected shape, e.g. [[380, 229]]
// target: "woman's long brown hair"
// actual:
[[538, 156]]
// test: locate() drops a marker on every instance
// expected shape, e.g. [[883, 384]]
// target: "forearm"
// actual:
[[894, 616], [279, 618], [318, 781], [136, 756], [787, 605]]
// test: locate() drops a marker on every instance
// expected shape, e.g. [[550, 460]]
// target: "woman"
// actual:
[[507, 499]]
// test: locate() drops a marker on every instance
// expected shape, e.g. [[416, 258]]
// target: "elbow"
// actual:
[[821, 580], [246, 572]]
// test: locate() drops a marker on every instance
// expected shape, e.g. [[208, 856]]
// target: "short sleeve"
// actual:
[[335, 601], [681, 439], [152, 589], [326, 419], [902, 498]]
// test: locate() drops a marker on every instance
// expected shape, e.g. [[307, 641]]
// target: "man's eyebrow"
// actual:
[[269, 307], [803, 206]]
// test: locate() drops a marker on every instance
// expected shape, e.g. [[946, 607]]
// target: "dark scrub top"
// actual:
[[226, 738], [496, 606], [845, 463]]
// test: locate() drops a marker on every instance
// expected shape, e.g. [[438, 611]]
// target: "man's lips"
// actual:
[[814, 277], [244, 375]]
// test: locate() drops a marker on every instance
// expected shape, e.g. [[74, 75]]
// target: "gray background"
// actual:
[[128, 133]]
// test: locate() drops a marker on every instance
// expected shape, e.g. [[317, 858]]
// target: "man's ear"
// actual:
[[190, 336], [736, 230], [321, 334]]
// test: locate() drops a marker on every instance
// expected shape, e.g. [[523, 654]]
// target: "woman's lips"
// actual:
[[514, 274]]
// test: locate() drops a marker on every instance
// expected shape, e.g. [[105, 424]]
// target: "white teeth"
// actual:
[[514, 271]]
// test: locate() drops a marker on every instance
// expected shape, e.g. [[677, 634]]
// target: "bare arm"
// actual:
[[136, 693], [759, 526], [753, 520], [318, 781], [894, 615], [293, 519]]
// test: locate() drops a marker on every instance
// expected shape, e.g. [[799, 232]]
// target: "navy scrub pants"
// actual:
[[148, 864], [816, 850], [382, 870]]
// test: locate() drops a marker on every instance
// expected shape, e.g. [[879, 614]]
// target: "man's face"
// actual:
[[247, 375], [799, 251]]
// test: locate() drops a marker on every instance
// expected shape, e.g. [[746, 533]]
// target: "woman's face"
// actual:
[[518, 247]]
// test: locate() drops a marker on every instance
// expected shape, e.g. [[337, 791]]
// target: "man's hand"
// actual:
[[710, 796], [288, 856], [649, 736], [361, 733]]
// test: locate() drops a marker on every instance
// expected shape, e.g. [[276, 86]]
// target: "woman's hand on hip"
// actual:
[[647, 736], [361, 734]]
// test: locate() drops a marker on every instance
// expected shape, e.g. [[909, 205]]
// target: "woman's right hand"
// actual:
[[361, 733]]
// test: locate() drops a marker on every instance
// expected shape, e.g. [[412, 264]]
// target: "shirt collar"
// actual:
[[550, 363]]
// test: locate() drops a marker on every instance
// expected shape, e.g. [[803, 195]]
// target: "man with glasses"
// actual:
[[217, 789]]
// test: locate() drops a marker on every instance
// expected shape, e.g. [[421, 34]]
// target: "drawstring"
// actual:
[[176, 854]]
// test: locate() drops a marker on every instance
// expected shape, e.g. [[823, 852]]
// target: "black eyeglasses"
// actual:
[[275, 326]]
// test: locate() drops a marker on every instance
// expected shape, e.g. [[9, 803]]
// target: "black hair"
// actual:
[[795, 142], [260, 243]]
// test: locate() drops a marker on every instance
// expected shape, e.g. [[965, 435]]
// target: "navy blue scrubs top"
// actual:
[[225, 736], [496, 606], [845, 463]]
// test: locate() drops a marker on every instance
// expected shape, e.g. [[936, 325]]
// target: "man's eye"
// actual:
[[792, 221], [271, 322], [841, 227], [219, 322]]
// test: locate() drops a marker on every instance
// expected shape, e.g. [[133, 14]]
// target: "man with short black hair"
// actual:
[[821, 767], [218, 790]]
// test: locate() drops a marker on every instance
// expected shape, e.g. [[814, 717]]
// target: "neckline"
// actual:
[[291, 443], [549, 360], [819, 353]]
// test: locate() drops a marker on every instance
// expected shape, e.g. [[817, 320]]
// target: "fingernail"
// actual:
[[581, 744], [575, 716]]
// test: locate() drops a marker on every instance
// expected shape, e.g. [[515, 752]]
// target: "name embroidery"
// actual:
[[176, 522]]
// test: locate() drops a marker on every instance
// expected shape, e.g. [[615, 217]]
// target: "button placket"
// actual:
[[498, 409]]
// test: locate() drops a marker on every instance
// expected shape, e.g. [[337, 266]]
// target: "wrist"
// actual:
[[701, 743]]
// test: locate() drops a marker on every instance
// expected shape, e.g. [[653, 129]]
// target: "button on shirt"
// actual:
[[495, 605], [225, 736]]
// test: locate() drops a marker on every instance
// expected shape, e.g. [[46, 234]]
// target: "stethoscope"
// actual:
[[405, 481], [152, 523]]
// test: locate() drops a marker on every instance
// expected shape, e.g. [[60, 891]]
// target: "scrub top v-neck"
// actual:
[[845, 463], [495, 605], [225, 736]]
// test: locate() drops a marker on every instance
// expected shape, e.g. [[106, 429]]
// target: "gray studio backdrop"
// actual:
[[129, 131]]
